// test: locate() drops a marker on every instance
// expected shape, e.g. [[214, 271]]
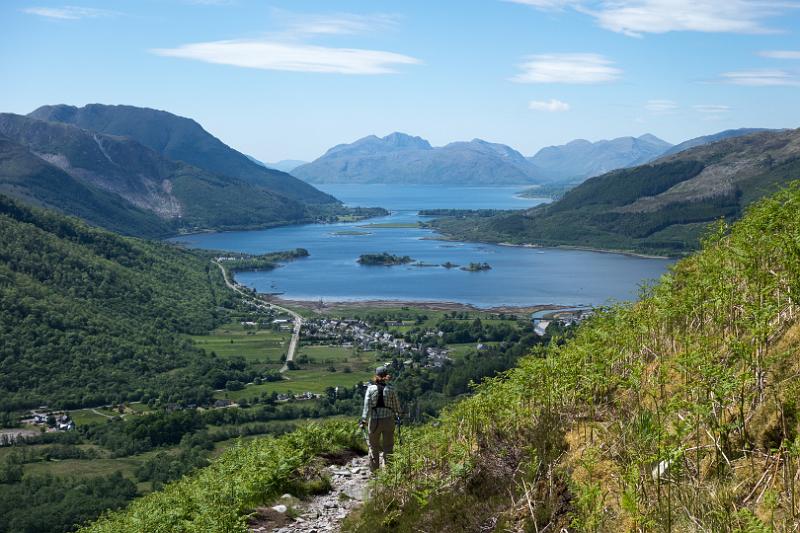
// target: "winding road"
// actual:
[[298, 320]]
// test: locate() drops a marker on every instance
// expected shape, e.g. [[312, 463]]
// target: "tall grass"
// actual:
[[218, 498], [676, 413]]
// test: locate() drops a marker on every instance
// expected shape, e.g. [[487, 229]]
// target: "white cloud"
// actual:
[[69, 12], [781, 54], [711, 109], [761, 78], [551, 106], [637, 17], [275, 55], [661, 107], [567, 68]]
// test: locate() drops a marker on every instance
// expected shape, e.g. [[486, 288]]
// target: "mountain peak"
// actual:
[[403, 140]]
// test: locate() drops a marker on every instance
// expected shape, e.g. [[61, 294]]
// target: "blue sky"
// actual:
[[289, 79]]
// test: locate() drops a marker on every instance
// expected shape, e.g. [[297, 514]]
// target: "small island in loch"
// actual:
[[383, 259], [477, 267], [448, 265]]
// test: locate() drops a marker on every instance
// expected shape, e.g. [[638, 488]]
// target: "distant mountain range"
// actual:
[[144, 172], [402, 159], [581, 159], [663, 206]]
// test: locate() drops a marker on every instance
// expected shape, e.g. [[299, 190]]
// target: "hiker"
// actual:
[[381, 410]]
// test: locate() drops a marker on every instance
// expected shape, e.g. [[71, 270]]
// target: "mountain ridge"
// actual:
[[183, 139], [580, 159], [403, 158], [173, 195]]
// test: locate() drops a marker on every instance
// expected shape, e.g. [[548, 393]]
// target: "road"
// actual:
[[298, 320]]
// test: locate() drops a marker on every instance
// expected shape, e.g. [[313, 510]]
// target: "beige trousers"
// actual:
[[380, 429]]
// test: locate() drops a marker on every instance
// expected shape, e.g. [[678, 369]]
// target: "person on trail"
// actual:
[[381, 410]]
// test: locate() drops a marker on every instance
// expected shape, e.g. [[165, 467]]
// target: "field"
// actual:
[[260, 346]]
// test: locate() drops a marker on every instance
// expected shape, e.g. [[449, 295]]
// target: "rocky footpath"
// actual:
[[322, 513]]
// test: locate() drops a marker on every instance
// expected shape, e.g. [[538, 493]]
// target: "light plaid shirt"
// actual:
[[389, 400]]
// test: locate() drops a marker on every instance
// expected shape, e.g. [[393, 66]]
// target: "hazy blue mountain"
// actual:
[[404, 159], [120, 184], [285, 165], [182, 139], [581, 159], [707, 139]]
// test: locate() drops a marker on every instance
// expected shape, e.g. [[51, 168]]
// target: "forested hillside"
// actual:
[[663, 207], [88, 317]]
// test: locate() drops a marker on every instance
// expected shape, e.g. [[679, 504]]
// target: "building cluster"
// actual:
[[358, 333], [55, 421]]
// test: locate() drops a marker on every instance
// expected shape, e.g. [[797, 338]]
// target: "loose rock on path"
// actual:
[[323, 513]]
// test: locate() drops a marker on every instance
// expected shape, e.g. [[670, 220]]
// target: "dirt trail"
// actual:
[[322, 513]]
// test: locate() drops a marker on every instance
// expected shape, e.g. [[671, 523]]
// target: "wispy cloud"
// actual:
[[550, 106], [298, 26], [69, 12], [761, 78], [546, 4], [289, 50], [661, 107], [711, 109], [637, 17], [271, 55], [567, 68], [781, 54]]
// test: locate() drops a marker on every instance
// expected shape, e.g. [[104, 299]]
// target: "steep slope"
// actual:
[[88, 317], [181, 139], [30, 178], [677, 413], [182, 196], [581, 159], [403, 159], [661, 207], [708, 139]]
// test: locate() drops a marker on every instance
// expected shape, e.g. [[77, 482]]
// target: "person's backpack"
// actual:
[[380, 402]]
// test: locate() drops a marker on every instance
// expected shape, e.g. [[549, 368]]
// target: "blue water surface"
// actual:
[[519, 276]]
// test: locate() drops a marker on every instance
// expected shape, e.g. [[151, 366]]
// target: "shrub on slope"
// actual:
[[676, 413]]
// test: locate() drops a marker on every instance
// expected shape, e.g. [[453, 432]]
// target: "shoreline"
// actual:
[[340, 305], [448, 238], [584, 249]]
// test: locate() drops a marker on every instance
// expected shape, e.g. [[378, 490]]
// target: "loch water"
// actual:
[[519, 276]]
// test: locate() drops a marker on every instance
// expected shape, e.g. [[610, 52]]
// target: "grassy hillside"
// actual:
[[663, 207], [88, 317], [677, 413]]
